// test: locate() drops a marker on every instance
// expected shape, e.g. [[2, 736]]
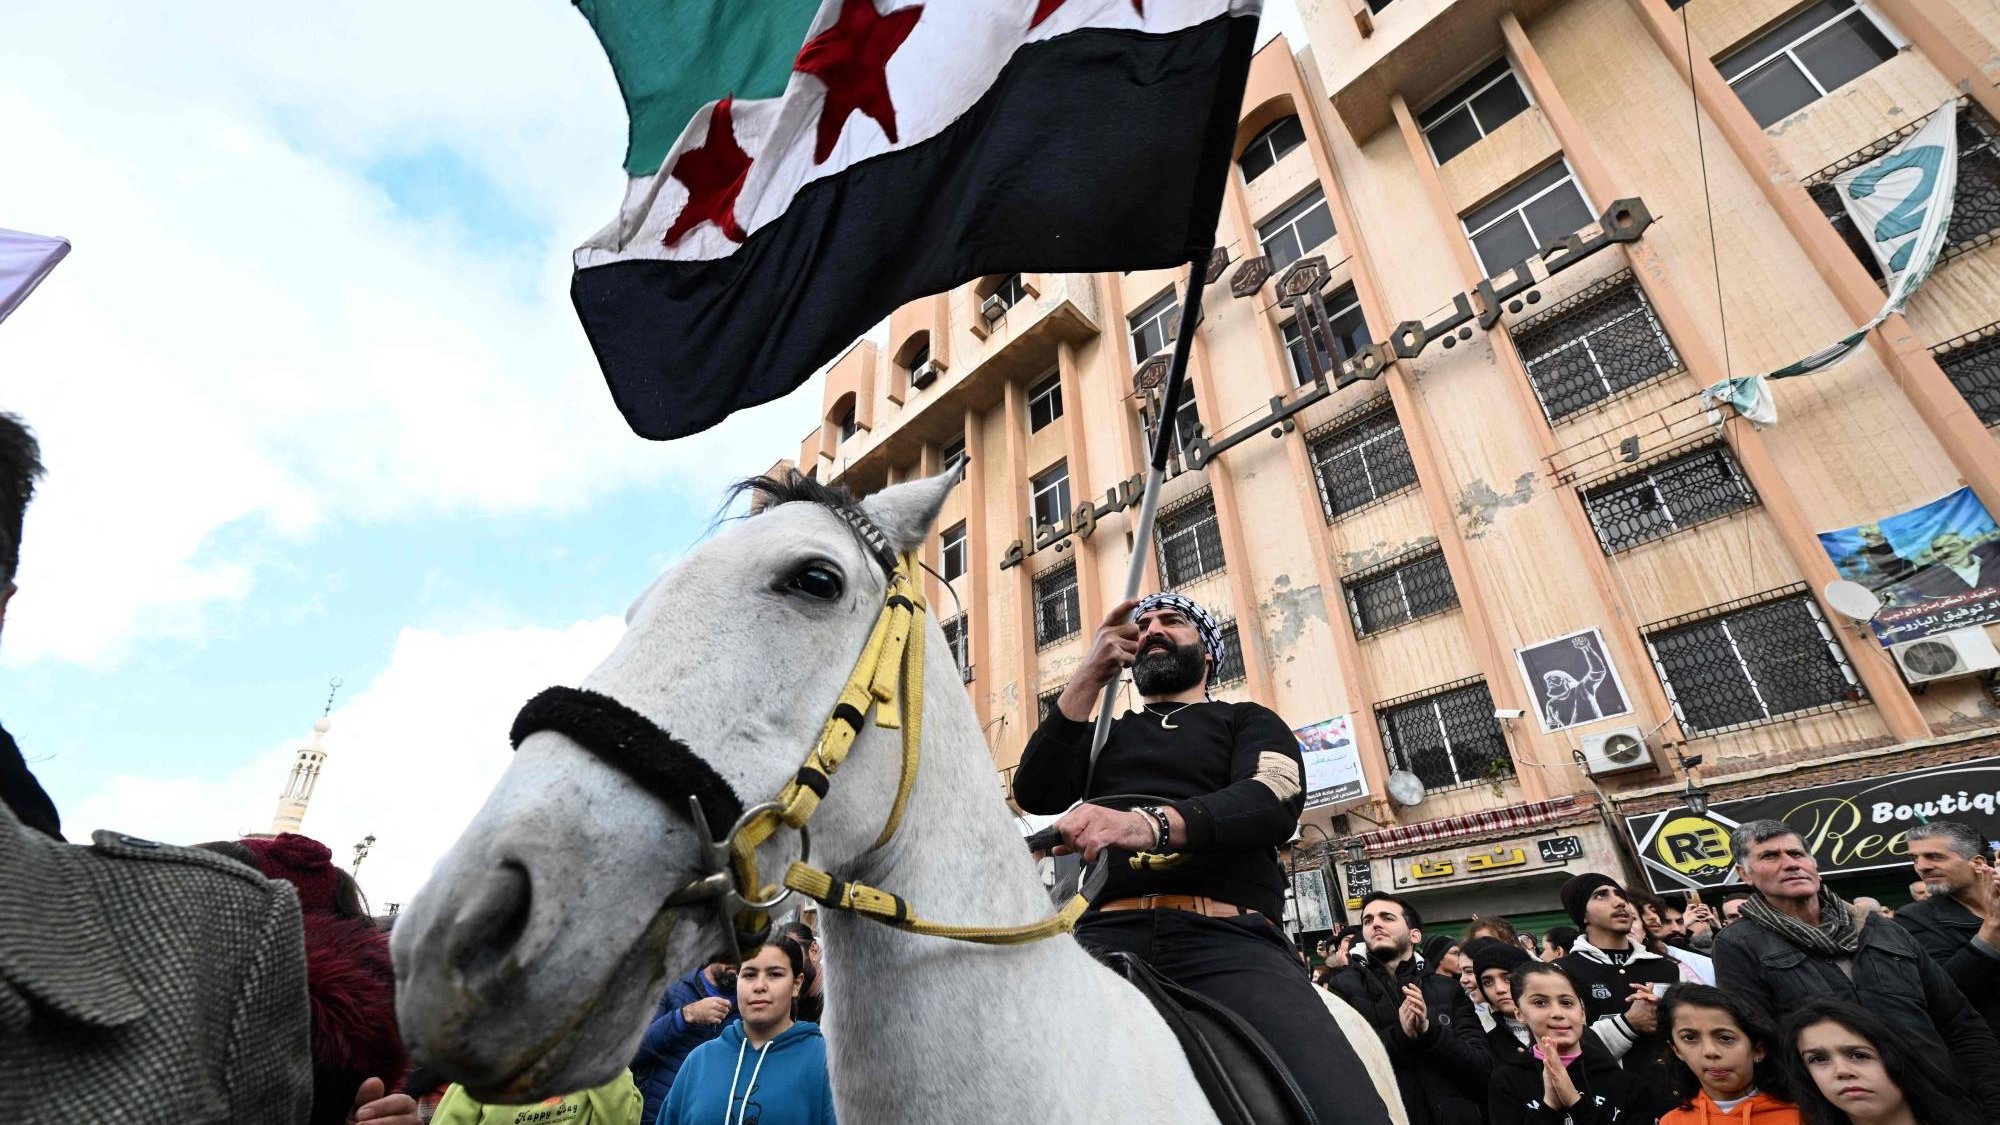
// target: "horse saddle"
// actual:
[[1246, 1082]]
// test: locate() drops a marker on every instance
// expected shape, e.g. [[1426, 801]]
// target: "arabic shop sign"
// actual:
[[1850, 826], [1623, 221]]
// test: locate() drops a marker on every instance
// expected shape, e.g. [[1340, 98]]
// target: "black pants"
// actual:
[[1246, 965]]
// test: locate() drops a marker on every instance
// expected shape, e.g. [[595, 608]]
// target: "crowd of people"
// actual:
[[1790, 1005], [247, 980]]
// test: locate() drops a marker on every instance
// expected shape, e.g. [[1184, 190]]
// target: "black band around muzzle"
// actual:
[[635, 746]]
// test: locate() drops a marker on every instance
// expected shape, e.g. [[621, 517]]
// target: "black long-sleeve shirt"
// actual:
[[1232, 771]]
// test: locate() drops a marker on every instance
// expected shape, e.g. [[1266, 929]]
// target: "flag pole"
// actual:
[[1156, 474]]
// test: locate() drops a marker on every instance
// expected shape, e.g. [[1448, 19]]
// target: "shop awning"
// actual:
[[1512, 818]]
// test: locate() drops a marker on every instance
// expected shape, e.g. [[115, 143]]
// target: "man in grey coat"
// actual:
[[1797, 940]]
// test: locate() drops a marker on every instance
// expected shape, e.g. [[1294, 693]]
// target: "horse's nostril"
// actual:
[[493, 920]]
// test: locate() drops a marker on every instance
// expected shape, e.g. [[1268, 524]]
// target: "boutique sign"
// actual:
[[1850, 826]]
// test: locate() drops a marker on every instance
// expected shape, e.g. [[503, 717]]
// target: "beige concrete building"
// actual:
[[1537, 488]]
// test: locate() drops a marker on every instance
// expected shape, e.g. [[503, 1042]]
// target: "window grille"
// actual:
[[1975, 200], [1360, 458], [1270, 146], [1518, 222], [1045, 403], [1045, 704], [1152, 328], [957, 638], [1057, 617], [1049, 494], [1803, 59], [1591, 346], [1399, 591], [1972, 363], [1676, 493], [1232, 669], [1751, 661], [1190, 540], [1447, 737], [1350, 336], [1297, 230], [951, 552], [1478, 106]]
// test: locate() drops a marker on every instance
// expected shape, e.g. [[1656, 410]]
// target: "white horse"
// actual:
[[531, 962]]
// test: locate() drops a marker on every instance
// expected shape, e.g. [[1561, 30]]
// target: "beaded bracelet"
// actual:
[[1163, 827]]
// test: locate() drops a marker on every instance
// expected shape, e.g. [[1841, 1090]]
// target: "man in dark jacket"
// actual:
[[1426, 1021], [1958, 922], [693, 1011], [1797, 940], [1618, 979]]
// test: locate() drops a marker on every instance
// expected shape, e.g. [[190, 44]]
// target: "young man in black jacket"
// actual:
[[1426, 1021], [1958, 922], [1618, 979]]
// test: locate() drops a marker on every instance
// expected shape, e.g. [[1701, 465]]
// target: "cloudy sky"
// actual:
[[314, 404]]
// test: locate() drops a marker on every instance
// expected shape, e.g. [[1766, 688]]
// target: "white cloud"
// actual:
[[249, 332], [409, 760]]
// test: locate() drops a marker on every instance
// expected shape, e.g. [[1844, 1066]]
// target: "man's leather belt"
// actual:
[[1199, 904]]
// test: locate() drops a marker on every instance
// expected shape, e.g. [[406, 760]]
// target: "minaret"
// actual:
[[305, 773]]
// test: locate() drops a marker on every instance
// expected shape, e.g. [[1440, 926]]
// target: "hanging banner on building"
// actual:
[[1850, 826], [1936, 568], [1333, 762], [1900, 202], [1572, 681]]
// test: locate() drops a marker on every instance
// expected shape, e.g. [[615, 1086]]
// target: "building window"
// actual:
[[1270, 146], [1975, 200], [1152, 328], [1592, 346], [1044, 402], [1350, 336], [918, 359], [1539, 210], [952, 456], [1399, 591], [956, 639], [951, 552], [1798, 62], [1361, 458], [1677, 493], [1974, 368], [1461, 118], [1010, 291], [1049, 494], [1297, 230], [1187, 419], [1190, 540], [1056, 614], [1447, 737], [1045, 704], [848, 425], [1751, 661], [1232, 669]]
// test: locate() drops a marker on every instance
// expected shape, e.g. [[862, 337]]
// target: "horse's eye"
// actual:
[[816, 580]]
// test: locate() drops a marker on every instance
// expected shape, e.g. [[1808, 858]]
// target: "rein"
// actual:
[[889, 676]]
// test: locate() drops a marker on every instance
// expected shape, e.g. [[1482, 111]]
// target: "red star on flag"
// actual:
[[1046, 8], [852, 58], [713, 175]]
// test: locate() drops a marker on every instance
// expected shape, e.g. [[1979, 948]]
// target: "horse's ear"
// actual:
[[905, 512]]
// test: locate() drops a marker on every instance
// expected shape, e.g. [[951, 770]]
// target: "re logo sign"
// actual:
[[1694, 846]]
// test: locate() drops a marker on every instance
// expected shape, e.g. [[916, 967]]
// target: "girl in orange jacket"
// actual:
[[1727, 1073]]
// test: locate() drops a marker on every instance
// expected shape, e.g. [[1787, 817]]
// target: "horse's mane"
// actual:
[[795, 487]]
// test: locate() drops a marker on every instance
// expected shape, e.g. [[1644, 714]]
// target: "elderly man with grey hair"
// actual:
[[1799, 941], [1958, 923]]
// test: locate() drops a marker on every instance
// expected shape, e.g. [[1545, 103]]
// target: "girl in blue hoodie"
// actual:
[[765, 1069]]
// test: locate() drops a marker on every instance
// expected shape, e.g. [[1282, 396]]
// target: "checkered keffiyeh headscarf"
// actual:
[[1204, 626]]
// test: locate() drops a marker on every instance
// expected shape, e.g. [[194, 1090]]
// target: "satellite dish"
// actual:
[[1853, 599], [1405, 788]]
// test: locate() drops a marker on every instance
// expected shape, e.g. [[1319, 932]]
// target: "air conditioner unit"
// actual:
[[1960, 652], [924, 374], [1615, 751], [993, 308]]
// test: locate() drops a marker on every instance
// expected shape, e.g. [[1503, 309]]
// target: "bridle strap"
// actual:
[[635, 746]]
